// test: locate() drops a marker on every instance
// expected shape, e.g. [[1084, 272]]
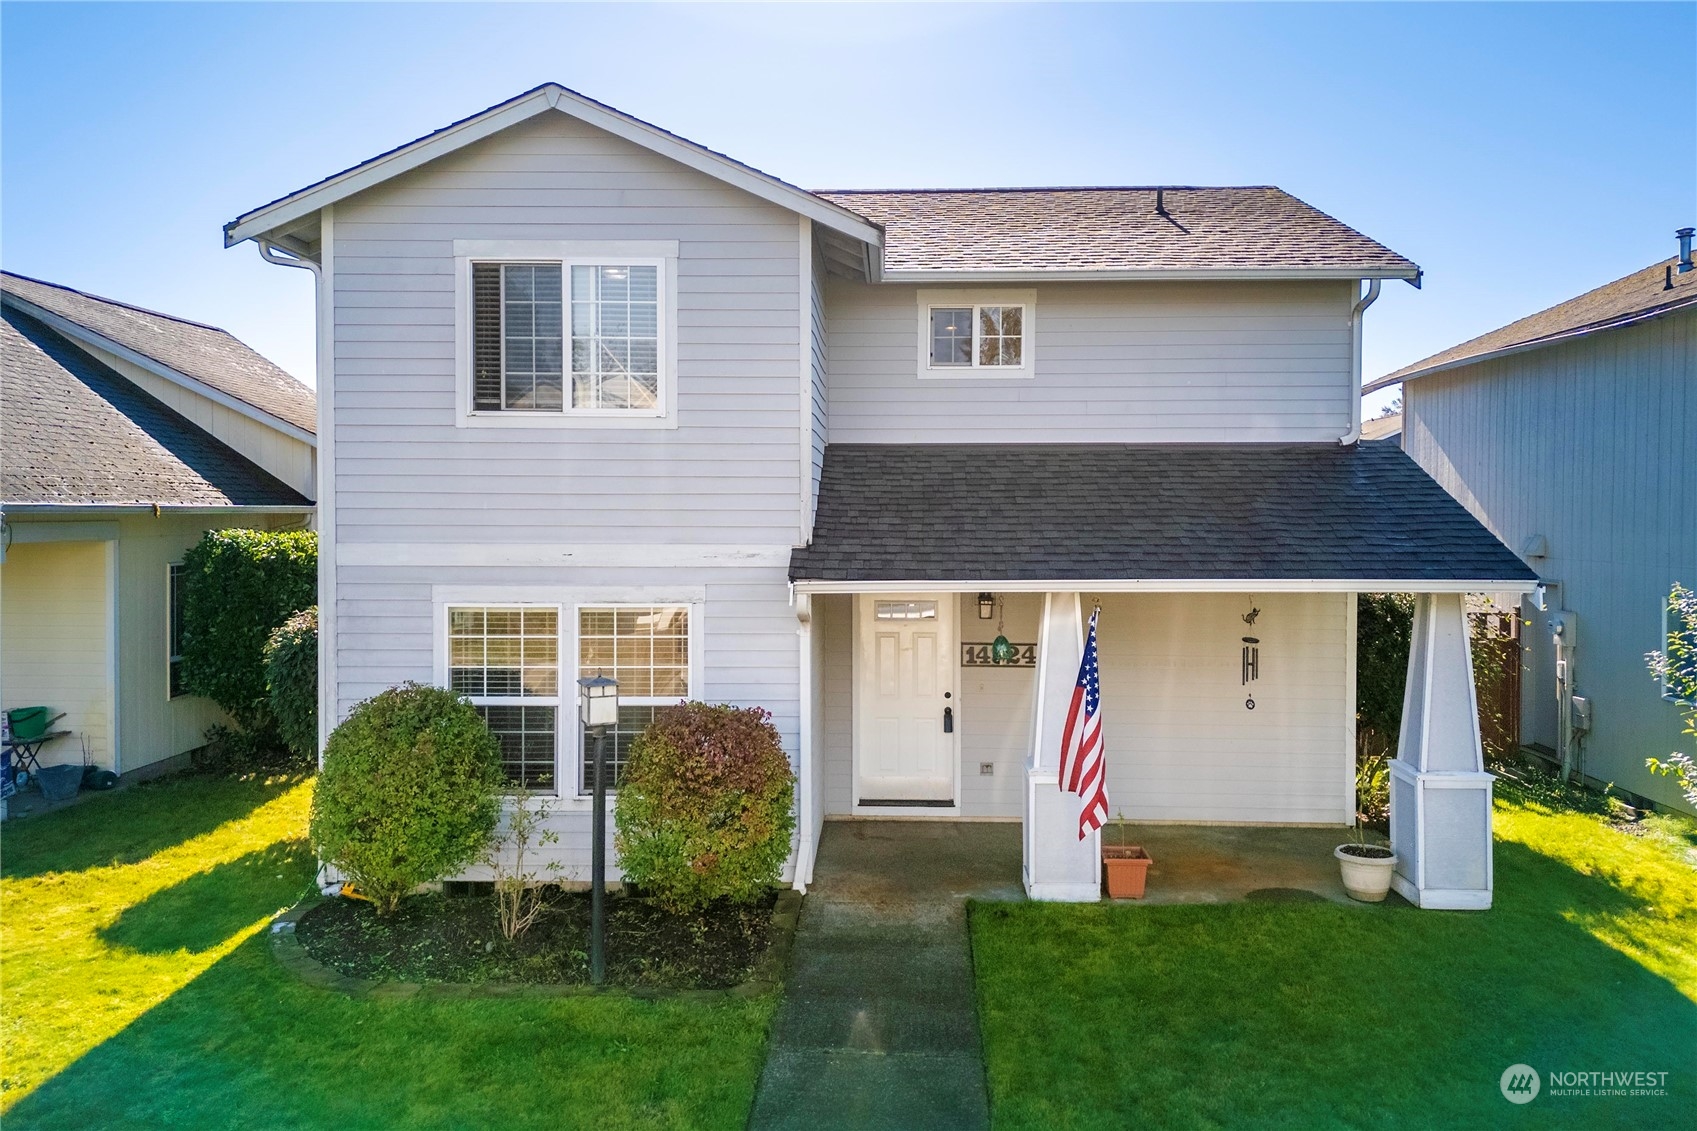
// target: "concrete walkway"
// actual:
[[879, 1025]]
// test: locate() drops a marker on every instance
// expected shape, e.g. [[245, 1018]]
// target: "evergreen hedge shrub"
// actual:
[[705, 807], [291, 682], [239, 585], [409, 793]]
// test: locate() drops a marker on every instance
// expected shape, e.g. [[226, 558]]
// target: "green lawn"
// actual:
[[1318, 1015], [137, 989]]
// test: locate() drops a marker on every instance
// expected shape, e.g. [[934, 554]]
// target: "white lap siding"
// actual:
[[421, 503], [1144, 362], [1182, 745]]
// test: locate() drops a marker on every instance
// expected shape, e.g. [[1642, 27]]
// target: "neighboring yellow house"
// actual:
[[124, 435]]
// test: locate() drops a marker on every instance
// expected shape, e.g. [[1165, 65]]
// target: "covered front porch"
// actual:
[[897, 863], [939, 664]]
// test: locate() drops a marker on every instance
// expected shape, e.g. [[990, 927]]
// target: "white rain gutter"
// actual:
[[1355, 314]]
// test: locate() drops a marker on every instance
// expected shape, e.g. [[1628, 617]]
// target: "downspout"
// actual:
[[1360, 308]]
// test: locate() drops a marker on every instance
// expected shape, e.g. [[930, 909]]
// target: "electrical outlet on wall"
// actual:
[[986, 769]]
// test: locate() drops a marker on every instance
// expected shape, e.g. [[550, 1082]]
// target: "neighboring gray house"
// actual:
[[1572, 435], [596, 398], [125, 435]]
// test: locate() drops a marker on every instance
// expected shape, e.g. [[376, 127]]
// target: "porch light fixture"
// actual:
[[598, 701], [598, 707], [986, 606], [1001, 652]]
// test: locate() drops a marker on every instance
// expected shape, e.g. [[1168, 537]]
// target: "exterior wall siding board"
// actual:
[[1115, 362], [1588, 444]]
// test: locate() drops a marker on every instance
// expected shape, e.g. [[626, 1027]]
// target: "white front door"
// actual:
[[906, 711]]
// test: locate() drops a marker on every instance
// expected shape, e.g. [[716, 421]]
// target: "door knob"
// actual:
[[948, 720]]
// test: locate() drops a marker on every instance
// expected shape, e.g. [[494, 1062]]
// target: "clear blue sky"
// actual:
[[1520, 153]]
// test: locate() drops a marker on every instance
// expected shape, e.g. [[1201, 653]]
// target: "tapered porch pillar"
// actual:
[[1440, 792], [1057, 865]]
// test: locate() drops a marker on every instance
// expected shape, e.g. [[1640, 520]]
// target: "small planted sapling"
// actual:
[[520, 889]]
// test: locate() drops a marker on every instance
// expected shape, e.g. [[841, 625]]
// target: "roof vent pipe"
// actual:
[[1685, 235], [1161, 205]]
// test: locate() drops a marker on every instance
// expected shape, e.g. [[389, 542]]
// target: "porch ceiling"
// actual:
[[1147, 516]]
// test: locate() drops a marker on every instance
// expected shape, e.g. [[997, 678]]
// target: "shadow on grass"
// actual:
[[1283, 1015], [245, 1045], [207, 908], [130, 825]]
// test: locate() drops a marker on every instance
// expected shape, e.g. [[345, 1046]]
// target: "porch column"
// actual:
[[1057, 865], [1440, 792]]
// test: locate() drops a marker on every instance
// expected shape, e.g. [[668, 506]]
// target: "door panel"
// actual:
[[904, 680]]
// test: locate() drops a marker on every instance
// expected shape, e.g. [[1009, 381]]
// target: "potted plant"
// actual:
[[1126, 865], [1367, 868]]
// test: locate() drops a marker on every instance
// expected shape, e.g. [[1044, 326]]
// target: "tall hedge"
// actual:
[[239, 585], [1384, 624], [291, 682]]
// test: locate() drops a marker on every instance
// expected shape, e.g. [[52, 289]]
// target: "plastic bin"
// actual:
[[28, 722], [60, 783]]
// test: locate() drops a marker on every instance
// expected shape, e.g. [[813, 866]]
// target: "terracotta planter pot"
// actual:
[[1367, 878], [1127, 868]]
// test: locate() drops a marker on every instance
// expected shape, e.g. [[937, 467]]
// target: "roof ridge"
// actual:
[[1415, 368], [112, 302], [1044, 188]]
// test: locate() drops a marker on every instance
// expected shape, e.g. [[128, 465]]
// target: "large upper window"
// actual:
[[963, 334], [645, 648], [556, 331], [506, 660]]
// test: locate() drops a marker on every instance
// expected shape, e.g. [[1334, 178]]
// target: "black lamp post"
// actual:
[[598, 709]]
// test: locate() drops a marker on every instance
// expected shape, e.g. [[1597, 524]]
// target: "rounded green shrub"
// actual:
[[291, 682], [705, 806], [409, 793]]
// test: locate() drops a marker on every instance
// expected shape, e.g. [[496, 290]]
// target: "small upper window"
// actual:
[[978, 336], [964, 337], [529, 333]]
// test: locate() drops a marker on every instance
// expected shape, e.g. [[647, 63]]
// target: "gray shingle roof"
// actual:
[[1074, 229], [986, 513], [1642, 294], [205, 353], [75, 432]]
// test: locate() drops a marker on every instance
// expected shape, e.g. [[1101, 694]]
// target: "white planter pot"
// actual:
[[1366, 878]]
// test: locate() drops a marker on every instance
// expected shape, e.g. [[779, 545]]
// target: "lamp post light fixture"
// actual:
[[598, 709]]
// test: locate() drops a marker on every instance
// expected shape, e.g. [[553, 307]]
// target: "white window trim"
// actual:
[[568, 735], [929, 299], [170, 586], [559, 700], [692, 614], [662, 254]]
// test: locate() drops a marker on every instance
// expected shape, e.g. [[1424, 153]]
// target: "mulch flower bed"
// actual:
[[457, 938]]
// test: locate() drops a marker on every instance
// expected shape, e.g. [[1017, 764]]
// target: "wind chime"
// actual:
[[1251, 656]]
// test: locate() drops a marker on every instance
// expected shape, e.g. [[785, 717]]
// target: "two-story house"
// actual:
[[597, 398]]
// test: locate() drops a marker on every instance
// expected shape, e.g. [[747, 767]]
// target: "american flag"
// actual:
[[1082, 769]]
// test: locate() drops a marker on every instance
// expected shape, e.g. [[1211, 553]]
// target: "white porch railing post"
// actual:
[[1057, 865], [1440, 792]]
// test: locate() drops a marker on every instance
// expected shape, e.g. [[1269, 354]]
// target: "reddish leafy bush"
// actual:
[[705, 808]]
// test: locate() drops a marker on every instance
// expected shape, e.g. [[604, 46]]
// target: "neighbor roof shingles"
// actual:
[[1254, 228], [1642, 294], [988, 513], [205, 353], [76, 433]]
